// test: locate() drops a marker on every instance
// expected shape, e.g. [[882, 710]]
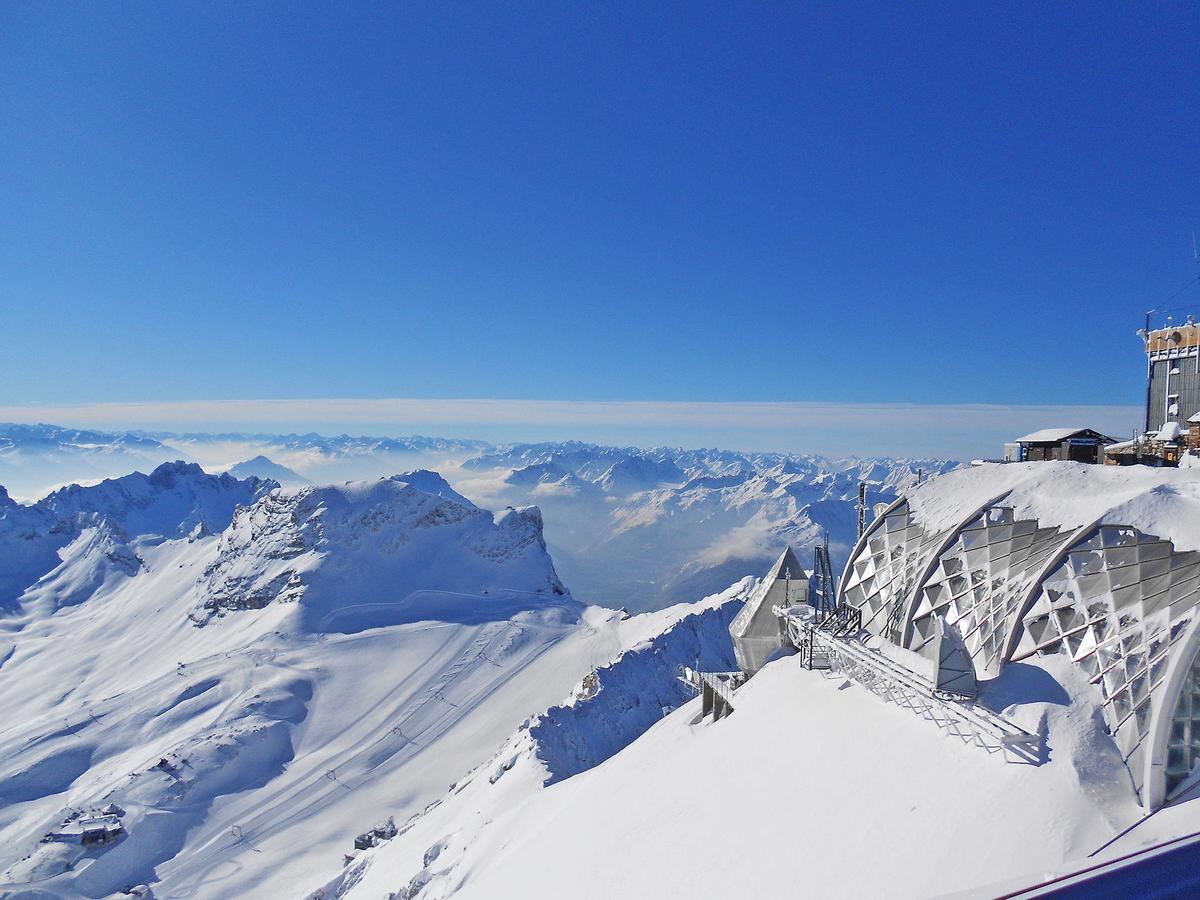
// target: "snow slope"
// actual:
[[813, 787], [253, 693], [608, 710]]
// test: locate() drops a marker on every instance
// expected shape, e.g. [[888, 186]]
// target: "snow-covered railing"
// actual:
[[716, 688], [895, 683]]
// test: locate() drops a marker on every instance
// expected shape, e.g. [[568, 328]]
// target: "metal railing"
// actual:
[[832, 644], [717, 689]]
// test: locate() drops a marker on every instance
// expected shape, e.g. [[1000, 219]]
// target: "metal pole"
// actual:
[[1149, 369], [862, 507]]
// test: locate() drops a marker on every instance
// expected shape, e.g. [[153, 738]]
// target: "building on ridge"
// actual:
[[756, 631], [1073, 444], [1172, 374]]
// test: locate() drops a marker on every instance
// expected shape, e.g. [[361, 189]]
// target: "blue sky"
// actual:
[[920, 203]]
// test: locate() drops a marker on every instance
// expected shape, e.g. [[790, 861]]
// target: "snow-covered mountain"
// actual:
[[324, 459], [261, 467], [627, 527], [56, 551], [35, 459], [236, 679], [367, 554], [646, 528], [261, 692], [16, 439]]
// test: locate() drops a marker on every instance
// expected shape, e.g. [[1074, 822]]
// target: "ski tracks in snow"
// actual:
[[404, 722]]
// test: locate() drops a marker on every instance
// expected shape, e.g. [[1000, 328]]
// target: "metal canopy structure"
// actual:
[[1122, 605]]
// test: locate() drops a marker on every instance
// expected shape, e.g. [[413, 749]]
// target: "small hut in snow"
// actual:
[[756, 631]]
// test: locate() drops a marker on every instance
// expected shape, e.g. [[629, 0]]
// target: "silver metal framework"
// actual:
[[843, 654], [1119, 603]]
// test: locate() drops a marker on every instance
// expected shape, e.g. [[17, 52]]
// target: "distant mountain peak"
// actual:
[[261, 466]]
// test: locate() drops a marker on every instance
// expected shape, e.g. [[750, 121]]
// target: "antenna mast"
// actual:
[[862, 507]]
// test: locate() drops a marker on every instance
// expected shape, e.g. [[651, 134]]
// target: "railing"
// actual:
[[722, 684], [831, 644], [716, 688], [844, 620]]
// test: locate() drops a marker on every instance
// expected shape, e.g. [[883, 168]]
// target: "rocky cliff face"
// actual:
[[370, 547]]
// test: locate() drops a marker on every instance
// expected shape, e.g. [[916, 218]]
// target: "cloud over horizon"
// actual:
[[884, 429]]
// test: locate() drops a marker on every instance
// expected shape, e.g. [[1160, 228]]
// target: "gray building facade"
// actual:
[[1173, 360]]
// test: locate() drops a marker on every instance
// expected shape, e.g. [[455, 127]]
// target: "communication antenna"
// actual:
[[862, 507]]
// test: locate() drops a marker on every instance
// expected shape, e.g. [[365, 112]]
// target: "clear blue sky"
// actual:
[[926, 203]]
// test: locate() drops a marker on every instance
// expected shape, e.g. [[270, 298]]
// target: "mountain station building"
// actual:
[[1073, 444]]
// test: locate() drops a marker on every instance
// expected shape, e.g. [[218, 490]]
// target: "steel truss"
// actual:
[[839, 651]]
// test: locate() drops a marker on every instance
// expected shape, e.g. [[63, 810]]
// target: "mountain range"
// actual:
[[628, 527]]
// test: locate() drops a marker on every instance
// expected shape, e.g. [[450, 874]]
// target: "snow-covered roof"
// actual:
[[1069, 555], [1052, 435], [1195, 418], [1169, 432], [1159, 501]]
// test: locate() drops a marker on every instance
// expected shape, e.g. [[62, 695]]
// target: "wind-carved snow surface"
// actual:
[[265, 673], [619, 702]]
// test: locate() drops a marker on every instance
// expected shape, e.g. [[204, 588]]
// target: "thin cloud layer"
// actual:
[[947, 430]]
